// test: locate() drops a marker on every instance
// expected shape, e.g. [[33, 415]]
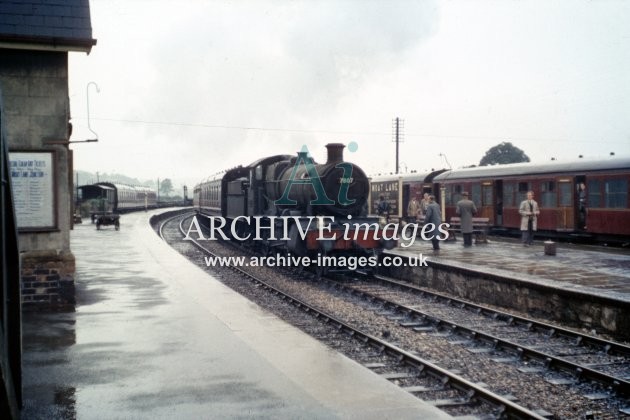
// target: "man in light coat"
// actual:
[[413, 209], [529, 212], [424, 203], [466, 209]]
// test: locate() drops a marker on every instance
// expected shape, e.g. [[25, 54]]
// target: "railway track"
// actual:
[[611, 357], [574, 357], [380, 347]]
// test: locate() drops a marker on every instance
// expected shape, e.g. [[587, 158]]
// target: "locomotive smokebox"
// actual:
[[335, 152], [345, 185]]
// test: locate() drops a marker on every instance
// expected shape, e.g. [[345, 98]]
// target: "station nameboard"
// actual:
[[390, 190], [33, 182]]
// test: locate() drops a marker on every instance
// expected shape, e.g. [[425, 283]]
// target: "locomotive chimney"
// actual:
[[335, 152]]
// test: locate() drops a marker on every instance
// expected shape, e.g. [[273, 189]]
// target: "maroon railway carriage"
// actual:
[[586, 198], [399, 190], [207, 196]]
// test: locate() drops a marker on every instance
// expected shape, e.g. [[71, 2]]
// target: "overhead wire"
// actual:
[[364, 133]]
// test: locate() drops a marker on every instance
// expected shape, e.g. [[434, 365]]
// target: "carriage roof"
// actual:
[[99, 186], [524, 169], [409, 177]]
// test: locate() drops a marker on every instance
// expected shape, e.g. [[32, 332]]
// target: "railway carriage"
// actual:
[[207, 195], [104, 200], [399, 189], [583, 198]]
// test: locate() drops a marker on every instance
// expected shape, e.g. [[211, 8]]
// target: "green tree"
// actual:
[[503, 153], [166, 186]]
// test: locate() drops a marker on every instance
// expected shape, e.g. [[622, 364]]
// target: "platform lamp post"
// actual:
[[66, 142]]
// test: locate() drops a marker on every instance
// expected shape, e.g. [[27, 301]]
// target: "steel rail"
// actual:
[[619, 385], [165, 221], [609, 347], [504, 407]]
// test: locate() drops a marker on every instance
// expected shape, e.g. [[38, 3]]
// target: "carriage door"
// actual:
[[566, 205], [498, 204], [487, 201], [580, 202], [406, 197], [112, 202]]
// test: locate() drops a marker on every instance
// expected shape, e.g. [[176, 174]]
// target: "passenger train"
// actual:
[[290, 189], [581, 199], [108, 197]]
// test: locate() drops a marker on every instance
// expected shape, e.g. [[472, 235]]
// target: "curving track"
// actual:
[[416, 349]]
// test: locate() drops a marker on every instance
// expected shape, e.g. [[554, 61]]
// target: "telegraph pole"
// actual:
[[398, 126]]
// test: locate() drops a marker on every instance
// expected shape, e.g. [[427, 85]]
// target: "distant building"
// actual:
[[35, 38]]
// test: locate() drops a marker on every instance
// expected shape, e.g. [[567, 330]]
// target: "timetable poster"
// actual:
[[33, 194]]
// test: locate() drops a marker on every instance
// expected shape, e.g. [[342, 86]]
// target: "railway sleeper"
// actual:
[[449, 402], [422, 388]]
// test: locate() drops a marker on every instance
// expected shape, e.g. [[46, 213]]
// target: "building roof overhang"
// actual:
[[38, 43]]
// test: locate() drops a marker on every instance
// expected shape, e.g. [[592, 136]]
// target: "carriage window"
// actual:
[[487, 195], [476, 194], [259, 172], [566, 194], [523, 187], [447, 195], [457, 194], [548, 194], [508, 194], [594, 193], [616, 193]]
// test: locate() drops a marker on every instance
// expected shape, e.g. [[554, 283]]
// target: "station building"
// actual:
[[35, 39]]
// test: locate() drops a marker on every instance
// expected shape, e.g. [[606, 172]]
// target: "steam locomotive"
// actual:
[[290, 204]]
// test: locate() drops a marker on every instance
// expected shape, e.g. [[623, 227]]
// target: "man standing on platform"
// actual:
[[382, 207], [529, 212], [466, 209], [424, 203], [433, 216], [413, 209]]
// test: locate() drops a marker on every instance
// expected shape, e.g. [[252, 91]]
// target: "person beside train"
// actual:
[[413, 210], [582, 205], [424, 203], [383, 208], [433, 215], [466, 209], [529, 212]]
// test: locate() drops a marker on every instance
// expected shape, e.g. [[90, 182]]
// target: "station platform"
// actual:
[[154, 336], [584, 285]]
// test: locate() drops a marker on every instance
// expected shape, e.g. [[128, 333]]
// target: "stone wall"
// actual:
[[34, 85], [571, 307], [47, 279]]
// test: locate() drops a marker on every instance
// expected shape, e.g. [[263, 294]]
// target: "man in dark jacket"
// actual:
[[466, 210], [383, 208], [433, 215]]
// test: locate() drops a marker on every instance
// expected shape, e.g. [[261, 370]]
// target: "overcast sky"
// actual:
[[192, 87]]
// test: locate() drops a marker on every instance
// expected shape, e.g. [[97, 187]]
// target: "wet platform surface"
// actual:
[[153, 336], [588, 269]]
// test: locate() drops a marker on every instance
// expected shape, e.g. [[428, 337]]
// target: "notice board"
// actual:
[[33, 186]]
